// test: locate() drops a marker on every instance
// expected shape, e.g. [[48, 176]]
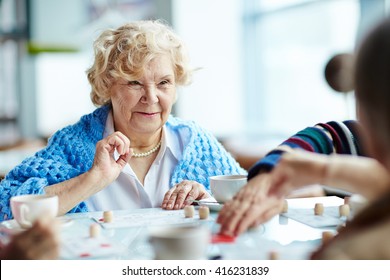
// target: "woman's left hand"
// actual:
[[183, 194]]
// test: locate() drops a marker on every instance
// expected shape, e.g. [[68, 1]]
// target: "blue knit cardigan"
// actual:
[[71, 150]]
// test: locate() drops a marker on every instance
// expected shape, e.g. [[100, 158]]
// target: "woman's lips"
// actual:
[[148, 114]]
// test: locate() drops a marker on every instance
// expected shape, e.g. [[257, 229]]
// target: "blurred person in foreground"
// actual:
[[361, 238], [130, 152], [40, 242], [366, 235]]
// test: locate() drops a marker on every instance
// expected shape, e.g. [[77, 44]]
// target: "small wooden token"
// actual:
[[108, 216], [273, 255], [189, 211], [285, 207], [326, 236], [204, 212], [344, 210], [319, 209], [94, 230]]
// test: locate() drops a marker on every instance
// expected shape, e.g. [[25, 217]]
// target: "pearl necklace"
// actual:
[[148, 153]]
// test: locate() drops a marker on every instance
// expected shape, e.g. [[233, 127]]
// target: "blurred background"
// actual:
[[262, 65]]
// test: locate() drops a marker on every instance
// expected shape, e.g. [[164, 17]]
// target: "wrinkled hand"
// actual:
[[183, 194], [250, 207], [40, 242], [104, 163]]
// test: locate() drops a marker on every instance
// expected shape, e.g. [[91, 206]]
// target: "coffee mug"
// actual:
[[180, 242], [26, 209], [224, 187]]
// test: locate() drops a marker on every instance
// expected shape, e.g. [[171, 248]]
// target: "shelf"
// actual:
[[13, 35], [8, 120]]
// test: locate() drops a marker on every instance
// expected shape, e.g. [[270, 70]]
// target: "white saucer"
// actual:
[[65, 221], [12, 226], [211, 203]]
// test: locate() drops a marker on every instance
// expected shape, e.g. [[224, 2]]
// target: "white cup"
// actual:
[[224, 187], [26, 209], [180, 242]]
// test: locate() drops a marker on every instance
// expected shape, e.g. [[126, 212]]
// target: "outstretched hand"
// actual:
[[250, 207]]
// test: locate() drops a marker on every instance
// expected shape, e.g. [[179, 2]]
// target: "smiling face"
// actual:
[[141, 106]]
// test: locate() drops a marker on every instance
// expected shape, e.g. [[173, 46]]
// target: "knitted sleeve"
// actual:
[[55, 163], [69, 153], [203, 156], [344, 139]]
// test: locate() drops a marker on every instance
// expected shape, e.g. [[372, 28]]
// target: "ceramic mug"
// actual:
[[180, 242], [26, 209], [224, 187]]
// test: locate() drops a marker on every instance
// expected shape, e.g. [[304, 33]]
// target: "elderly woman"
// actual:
[[130, 152]]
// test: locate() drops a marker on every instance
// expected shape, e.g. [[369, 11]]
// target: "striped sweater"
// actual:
[[323, 138]]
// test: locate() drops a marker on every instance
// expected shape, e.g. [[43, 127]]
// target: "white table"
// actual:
[[289, 238]]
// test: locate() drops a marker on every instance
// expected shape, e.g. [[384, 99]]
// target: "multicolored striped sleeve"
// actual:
[[324, 138]]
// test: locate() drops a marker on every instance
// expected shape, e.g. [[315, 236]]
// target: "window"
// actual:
[[287, 46]]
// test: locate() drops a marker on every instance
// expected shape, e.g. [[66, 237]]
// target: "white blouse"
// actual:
[[127, 192]]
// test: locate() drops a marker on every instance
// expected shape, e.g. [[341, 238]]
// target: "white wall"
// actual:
[[61, 86], [62, 90], [211, 30]]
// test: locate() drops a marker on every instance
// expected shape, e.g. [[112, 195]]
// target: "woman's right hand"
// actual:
[[105, 169], [105, 165]]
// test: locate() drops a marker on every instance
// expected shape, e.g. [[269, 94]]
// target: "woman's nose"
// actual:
[[150, 95]]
